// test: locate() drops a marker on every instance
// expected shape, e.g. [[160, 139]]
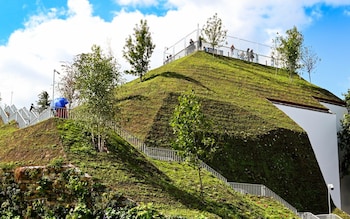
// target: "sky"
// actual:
[[37, 36]]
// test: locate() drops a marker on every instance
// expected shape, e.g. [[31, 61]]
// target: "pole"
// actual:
[[329, 202], [53, 84]]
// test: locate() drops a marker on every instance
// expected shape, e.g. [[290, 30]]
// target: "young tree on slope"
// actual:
[[344, 140], [138, 50], [67, 83], [213, 32], [290, 49], [97, 75], [309, 60], [43, 101], [191, 130]]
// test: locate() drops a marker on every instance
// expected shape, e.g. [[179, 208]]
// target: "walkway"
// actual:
[[263, 54]]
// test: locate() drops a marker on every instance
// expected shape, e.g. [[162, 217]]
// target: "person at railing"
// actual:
[[31, 107], [191, 48], [251, 55], [272, 59], [248, 55], [242, 55], [199, 43], [232, 49]]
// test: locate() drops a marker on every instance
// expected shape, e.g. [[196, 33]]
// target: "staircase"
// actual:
[[23, 116]]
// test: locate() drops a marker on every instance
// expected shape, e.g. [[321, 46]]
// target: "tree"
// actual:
[[213, 32], [191, 130], [67, 84], [138, 50], [43, 101], [344, 140], [96, 77], [309, 60], [290, 49]]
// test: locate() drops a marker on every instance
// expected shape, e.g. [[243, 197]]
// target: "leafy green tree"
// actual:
[[213, 31], [191, 130], [290, 49], [309, 60], [138, 50], [97, 76], [344, 140], [43, 101]]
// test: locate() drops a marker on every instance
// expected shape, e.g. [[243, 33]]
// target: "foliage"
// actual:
[[43, 101], [97, 76], [190, 128], [309, 60], [290, 49], [67, 84], [213, 31], [138, 50], [344, 140]]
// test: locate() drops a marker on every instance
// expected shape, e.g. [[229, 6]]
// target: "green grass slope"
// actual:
[[258, 143], [171, 187]]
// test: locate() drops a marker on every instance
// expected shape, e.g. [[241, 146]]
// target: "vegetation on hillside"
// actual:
[[116, 181], [257, 142]]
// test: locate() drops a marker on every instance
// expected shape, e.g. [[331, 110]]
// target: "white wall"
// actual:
[[321, 128], [345, 181], [339, 111]]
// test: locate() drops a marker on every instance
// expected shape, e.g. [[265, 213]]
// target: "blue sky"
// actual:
[[37, 36]]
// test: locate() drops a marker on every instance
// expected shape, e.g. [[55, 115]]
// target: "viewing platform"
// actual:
[[233, 47]]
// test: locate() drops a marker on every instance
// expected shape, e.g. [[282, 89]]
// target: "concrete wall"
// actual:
[[321, 128], [345, 181]]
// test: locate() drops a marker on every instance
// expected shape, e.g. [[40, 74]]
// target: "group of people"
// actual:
[[249, 55]]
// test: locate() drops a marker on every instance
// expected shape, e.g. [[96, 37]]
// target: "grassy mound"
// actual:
[[171, 187], [258, 142]]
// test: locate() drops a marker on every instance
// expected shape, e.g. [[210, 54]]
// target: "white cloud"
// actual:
[[32, 53], [137, 2]]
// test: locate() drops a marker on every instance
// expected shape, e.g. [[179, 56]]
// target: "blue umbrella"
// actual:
[[60, 102]]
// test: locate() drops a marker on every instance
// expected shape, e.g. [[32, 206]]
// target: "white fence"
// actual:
[[328, 216], [260, 190], [263, 54]]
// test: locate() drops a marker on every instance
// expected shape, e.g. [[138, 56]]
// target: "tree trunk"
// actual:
[[200, 181]]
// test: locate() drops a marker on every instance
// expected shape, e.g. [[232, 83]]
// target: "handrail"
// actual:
[[263, 54], [4, 116], [328, 216]]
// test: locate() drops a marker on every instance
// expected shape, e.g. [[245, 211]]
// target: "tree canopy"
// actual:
[[138, 50], [96, 77], [344, 140], [309, 60], [191, 129], [43, 101], [213, 31], [290, 49]]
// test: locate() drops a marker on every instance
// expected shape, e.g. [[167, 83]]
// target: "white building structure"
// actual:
[[321, 128]]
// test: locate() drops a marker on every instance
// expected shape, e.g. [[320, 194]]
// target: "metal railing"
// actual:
[[260, 190], [328, 216], [4, 116], [263, 54], [307, 215]]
